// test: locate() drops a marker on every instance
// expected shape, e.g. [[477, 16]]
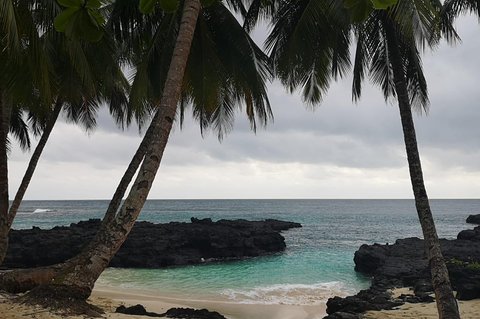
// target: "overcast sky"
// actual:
[[337, 150]]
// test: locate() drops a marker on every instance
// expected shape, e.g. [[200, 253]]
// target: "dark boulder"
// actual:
[[152, 245], [343, 315], [374, 298], [423, 287], [184, 313], [470, 234], [189, 313], [474, 219], [137, 310]]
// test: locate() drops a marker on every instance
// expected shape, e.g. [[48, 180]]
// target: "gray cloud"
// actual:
[[337, 150]]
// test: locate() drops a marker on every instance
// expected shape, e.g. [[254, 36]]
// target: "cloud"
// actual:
[[337, 150]]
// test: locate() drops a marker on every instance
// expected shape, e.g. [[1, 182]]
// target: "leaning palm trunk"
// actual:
[[127, 177], [23, 280], [446, 303], [4, 201], [76, 280], [27, 177], [12, 212]]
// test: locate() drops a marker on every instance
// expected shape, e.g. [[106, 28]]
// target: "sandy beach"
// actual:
[[108, 300], [468, 309]]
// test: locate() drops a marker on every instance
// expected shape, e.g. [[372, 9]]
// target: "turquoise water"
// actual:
[[318, 261]]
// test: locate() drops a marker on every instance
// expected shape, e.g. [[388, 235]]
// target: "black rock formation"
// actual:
[[137, 310], [189, 313], [405, 264], [185, 313], [152, 245], [474, 219], [470, 234], [406, 260]]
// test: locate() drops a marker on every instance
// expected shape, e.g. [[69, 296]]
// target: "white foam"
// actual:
[[42, 210], [289, 294]]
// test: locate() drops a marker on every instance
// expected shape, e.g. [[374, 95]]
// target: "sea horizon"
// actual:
[[262, 198]]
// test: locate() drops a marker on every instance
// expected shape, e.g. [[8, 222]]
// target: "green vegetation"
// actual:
[[471, 265]]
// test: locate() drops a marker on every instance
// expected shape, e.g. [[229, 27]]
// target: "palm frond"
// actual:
[[19, 128], [309, 46]]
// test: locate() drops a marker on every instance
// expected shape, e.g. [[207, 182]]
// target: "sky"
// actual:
[[336, 150]]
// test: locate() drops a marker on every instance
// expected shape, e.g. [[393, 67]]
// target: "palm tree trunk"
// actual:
[[127, 177], [27, 177], [23, 280], [77, 280], [446, 303], [4, 201]]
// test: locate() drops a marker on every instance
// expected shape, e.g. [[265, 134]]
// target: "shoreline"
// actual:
[[109, 299], [469, 309], [230, 309]]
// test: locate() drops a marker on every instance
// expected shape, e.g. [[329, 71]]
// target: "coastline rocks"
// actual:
[[374, 298], [474, 219], [186, 313], [137, 310], [189, 313], [406, 260], [342, 315], [405, 264], [470, 234], [152, 245]]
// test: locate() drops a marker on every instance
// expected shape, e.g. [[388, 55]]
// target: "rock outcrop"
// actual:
[[404, 263], [474, 219], [185, 313], [470, 234], [406, 260], [152, 245]]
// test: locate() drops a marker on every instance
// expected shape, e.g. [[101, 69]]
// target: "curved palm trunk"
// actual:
[[77, 280], [4, 203], [23, 280], [127, 177], [446, 303], [27, 177]]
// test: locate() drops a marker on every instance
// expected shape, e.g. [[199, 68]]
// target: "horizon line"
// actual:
[[299, 198]]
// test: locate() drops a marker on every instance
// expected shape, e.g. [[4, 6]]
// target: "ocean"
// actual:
[[318, 261]]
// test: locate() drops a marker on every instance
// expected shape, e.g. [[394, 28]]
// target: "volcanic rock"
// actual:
[[474, 219], [405, 264], [152, 245]]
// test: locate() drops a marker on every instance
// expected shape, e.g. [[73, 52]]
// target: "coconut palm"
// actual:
[[388, 49], [85, 76], [214, 67], [16, 39], [307, 53]]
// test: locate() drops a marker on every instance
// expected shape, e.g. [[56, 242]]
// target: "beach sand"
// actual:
[[468, 309], [108, 300]]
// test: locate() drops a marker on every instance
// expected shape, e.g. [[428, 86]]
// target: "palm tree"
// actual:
[[388, 49], [86, 75], [13, 56], [307, 53], [214, 67]]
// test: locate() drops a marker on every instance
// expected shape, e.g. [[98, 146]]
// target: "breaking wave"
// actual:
[[289, 294]]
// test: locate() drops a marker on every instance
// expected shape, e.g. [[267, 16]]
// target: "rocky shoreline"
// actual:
[[152, 245], [404, 264]]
